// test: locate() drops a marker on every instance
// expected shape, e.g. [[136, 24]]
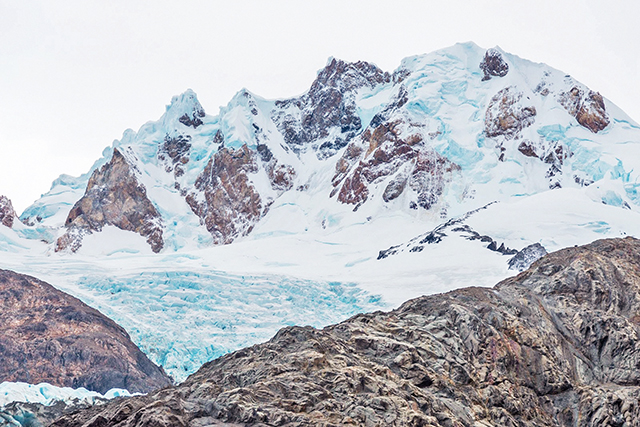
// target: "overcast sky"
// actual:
[[75, 74]]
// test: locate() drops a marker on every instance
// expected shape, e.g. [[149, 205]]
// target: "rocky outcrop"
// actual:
[[194, 120], [587, 107], [114, 196], [174, 152], [281, 176], [553, 153], [226, 200], [493, 65], [506, 115], [327, 115], [556, 345], [7, 214], [392, 148], [454, 227], [527, 256], [49, 336]]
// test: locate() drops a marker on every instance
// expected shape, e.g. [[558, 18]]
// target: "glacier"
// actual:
[[184, 319]]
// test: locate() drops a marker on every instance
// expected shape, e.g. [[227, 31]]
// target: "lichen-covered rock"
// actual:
[[493, 64], [327, 116], [7, 213], [225, 199], [587, 107], [49, 336], [556, 345], [114, 196]]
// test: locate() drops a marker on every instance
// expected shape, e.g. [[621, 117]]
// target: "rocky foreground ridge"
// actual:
[[556, 345], [49, 336]]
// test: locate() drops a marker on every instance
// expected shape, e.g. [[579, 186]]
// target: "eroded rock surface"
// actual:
[[587, 107], [226, 200], [556, 345], [114, 196], [7, 213], [49, 336]]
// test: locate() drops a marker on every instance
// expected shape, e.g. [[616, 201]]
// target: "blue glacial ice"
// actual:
[[182, 319]]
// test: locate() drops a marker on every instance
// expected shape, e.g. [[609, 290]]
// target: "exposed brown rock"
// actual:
[[7, 214], [587, 107], [281, 176], [556, 345], [49, 336], [506, 116], [493, 65], [114, 196], [382, 152], [528, 149], [226, 200]]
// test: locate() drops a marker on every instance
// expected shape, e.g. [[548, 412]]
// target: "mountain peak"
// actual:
[[347, 76], [184, 108]]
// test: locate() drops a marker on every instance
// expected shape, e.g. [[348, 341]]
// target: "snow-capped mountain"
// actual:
[[397, 181], [445, 133]]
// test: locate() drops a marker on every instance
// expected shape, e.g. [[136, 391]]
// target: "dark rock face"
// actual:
[[493, 65], [329, 104], [554, 346], [114, 196], [587, 107], [175, 153], [226, 200], [7, 214], [194, 120], [49, 336]]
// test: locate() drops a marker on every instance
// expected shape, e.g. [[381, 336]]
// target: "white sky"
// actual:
[[75, 74]]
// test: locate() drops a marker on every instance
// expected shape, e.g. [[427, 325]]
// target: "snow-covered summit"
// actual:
[[445, 133], [185, 109]]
